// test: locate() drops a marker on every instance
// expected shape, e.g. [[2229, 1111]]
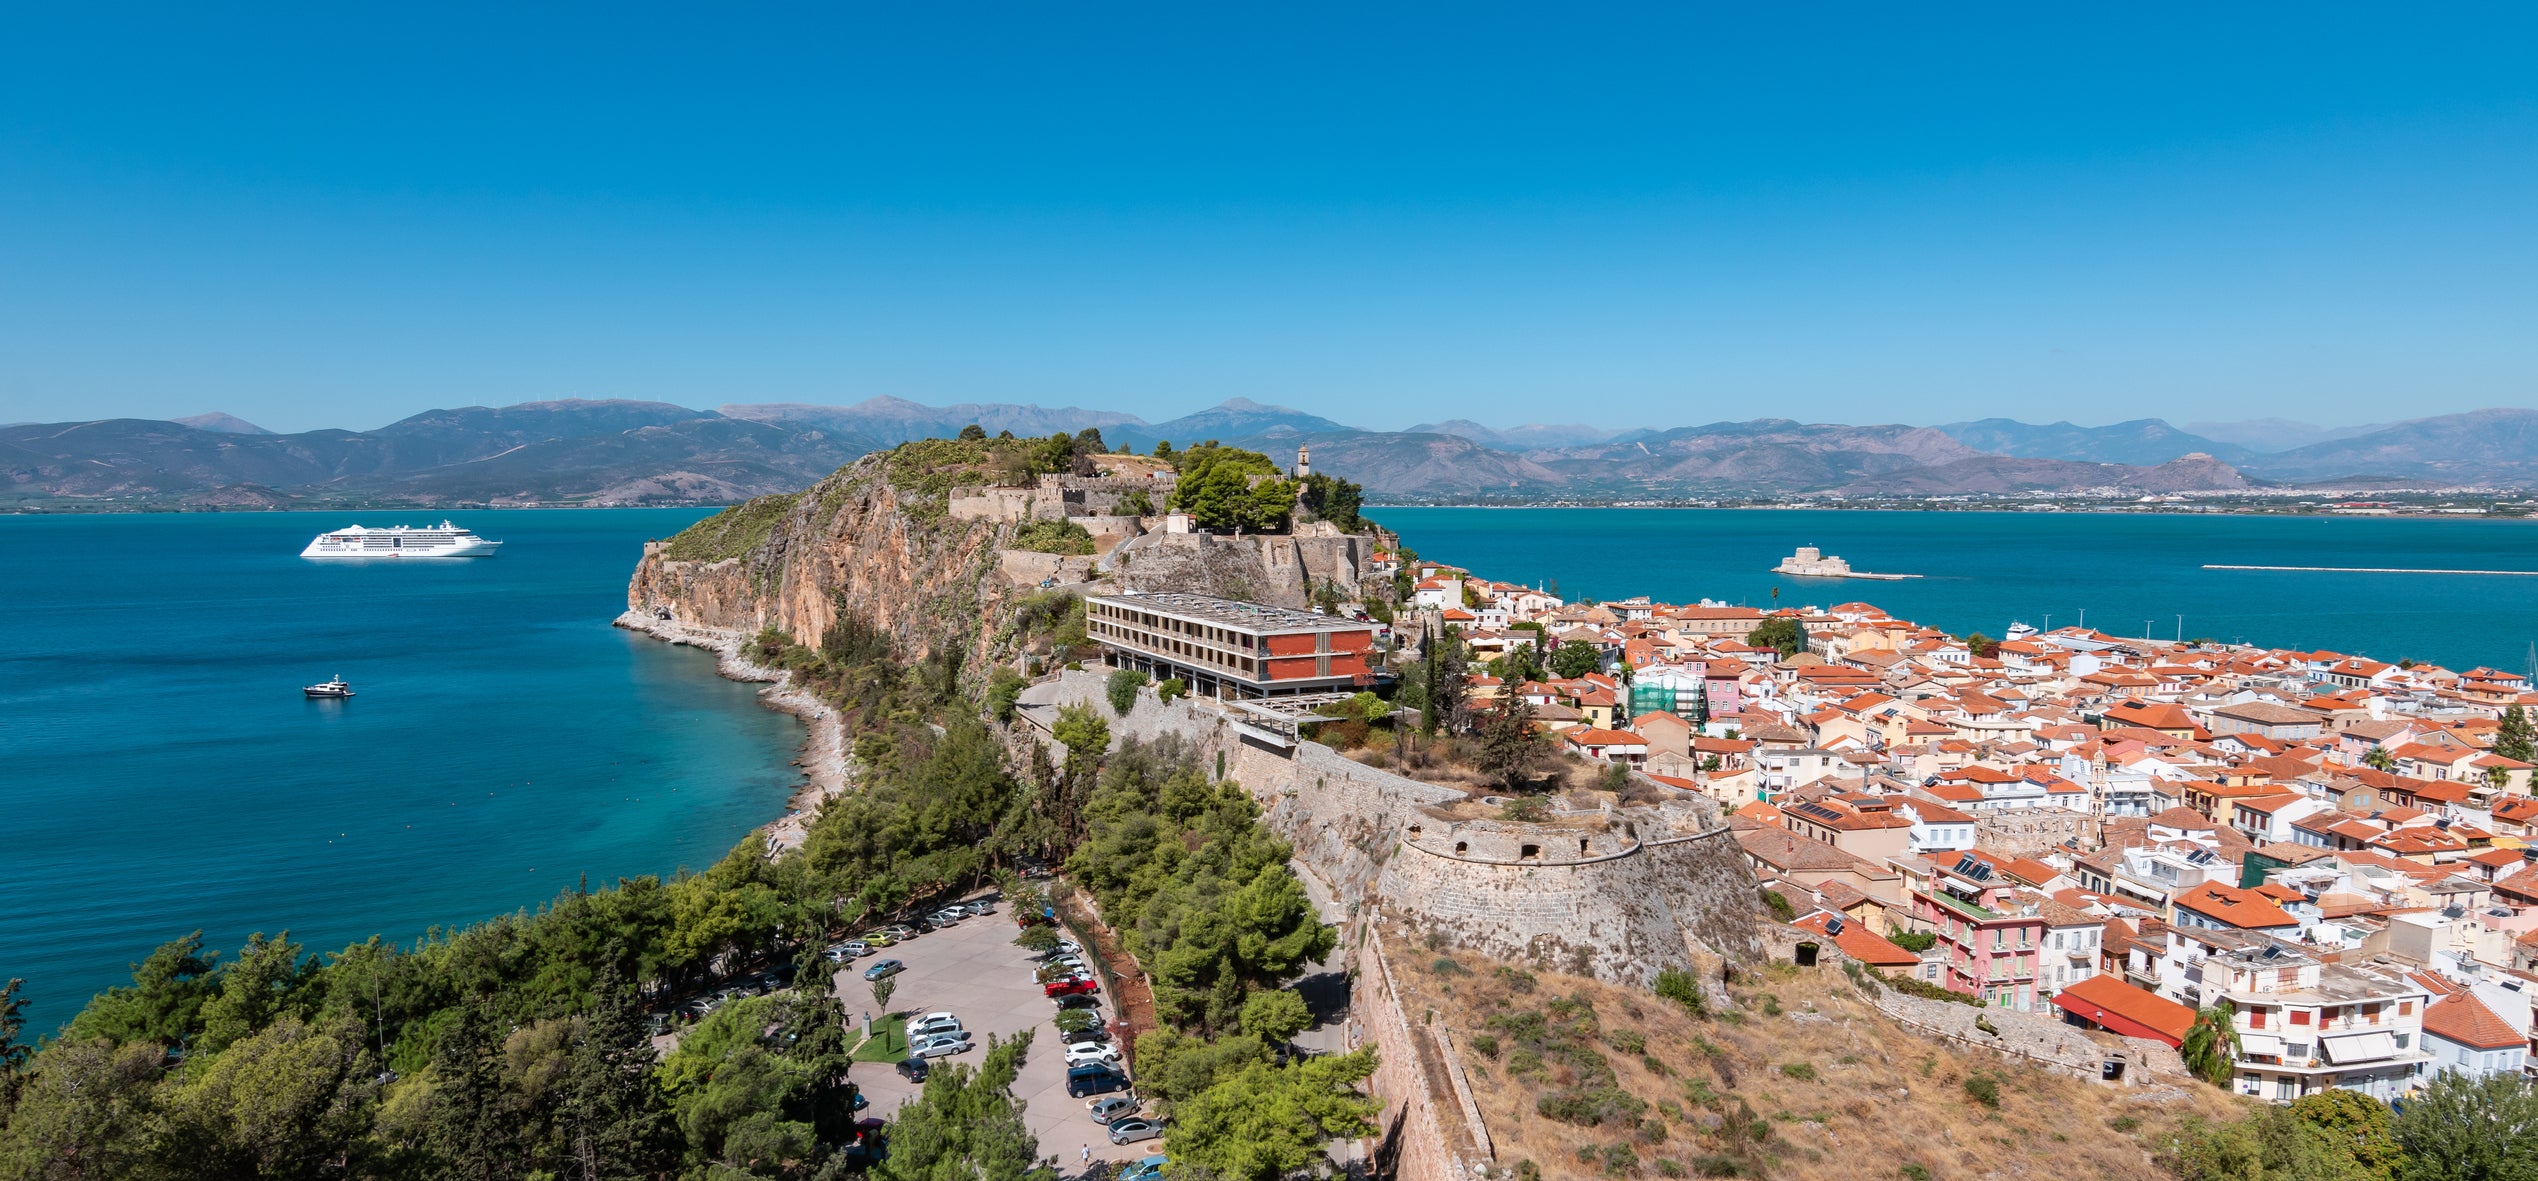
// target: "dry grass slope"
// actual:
[[1803, 1080]]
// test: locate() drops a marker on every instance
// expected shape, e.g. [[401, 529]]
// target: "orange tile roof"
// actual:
[[2464, 1019], [2100, 997]]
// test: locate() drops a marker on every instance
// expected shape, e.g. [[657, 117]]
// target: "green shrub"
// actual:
[[1590, 1107], [1484, 1045], [1628, 1041], [2125, 1123], [1677, 985], [1983, 1089], [1916, 1173], [1060, 536], [731, 533], [1446, 966], [1170, 688], [1778, 904], [1004, 690], [1516, 979], [1802, 1071], [1123, 688], [1915, 942]]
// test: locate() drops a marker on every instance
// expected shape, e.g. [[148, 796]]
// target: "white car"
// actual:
[[939, 1045], [932, 1024], [1092, 1054], [1061, 947]]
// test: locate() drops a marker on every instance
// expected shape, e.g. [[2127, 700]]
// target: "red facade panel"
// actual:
[[1348, 664], [1291, 645], [1292, 668], [1352, 641]]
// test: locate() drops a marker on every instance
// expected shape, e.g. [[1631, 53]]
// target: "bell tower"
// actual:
[[1303, 461]]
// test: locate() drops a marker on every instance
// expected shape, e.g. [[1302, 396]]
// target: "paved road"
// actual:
[[974, 971]]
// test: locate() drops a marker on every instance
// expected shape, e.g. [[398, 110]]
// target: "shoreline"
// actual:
[[823, 754]]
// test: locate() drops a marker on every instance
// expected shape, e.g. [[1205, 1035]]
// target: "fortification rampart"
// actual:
[[1626, 904]]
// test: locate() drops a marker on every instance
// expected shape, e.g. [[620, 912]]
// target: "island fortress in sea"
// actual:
[[402, 541], [1810, 562]]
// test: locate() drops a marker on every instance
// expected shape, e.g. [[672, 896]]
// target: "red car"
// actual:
[[1070, 987]]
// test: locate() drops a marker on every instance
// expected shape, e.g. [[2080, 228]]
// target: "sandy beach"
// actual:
[[823, 758]]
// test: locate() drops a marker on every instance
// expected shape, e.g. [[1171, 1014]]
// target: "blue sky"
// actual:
[[336, 215]]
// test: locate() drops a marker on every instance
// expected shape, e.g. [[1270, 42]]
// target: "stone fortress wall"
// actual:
[[1646, 887]]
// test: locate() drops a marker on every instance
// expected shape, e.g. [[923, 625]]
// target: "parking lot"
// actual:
[[974, 970]]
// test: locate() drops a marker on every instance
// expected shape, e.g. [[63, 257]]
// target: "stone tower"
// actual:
[[1303, 461]]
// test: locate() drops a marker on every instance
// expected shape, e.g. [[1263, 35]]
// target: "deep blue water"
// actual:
[[1984, 570], [160, 771]]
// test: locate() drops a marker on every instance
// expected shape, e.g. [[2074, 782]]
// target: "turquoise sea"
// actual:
[[2129, 572], [160, 771]]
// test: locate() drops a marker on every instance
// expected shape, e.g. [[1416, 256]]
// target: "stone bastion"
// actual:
[[1617, 894]]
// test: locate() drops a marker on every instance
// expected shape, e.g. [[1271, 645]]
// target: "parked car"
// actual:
[[1084, 1081], [852, 949], [939, 1045], [1091, 1053], [1112, 1107], [881, 938], [980, 907], [902, 930], [1149, 1169], [914, 1069], [934, 1023], [1079, 1000], [1052, 988], [1129, 1131], [1090, 1033], [881, 968]]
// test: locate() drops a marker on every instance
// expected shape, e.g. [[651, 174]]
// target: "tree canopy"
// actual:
[[1230, 488]]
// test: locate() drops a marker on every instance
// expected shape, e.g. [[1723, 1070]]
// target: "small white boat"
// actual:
[[329, 689]]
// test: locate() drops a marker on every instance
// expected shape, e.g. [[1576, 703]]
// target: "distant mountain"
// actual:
[[2140, 441], [222, 424], [629, 452], [574, 452], [2269, 435], [2497, 446], [888, 422], [1530, 437], [1227, 421]]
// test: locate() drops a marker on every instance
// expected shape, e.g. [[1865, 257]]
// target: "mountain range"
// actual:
[[627, 452]]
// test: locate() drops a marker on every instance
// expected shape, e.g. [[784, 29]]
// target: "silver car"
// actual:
[[1129, 1131], [1111, 1108], [940, 1045]]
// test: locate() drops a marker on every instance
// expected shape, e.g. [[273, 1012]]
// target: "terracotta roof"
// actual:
[[1860, 943], [2231, 906], [2149, 1014], [2464, 1019]]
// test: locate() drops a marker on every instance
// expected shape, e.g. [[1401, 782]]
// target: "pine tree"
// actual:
[[2514, 739], [613, 1121]]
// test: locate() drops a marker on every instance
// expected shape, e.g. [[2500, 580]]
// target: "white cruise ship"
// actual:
[[404, 541]]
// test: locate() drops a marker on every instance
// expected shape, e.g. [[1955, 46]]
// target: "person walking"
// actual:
[[1088, 1156]]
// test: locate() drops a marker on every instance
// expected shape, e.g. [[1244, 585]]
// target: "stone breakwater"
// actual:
[[824, 752]]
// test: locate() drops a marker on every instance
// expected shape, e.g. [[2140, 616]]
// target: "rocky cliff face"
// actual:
[[851, 543]]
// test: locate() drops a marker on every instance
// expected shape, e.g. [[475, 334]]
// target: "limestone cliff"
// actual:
[[854, 542]]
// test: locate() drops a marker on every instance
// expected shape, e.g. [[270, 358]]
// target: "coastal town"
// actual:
[[2118, 833]]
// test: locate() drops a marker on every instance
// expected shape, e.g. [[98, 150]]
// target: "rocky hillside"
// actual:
[[859, 541]]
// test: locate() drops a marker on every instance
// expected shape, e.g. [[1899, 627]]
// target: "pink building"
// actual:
[[1992, 942]]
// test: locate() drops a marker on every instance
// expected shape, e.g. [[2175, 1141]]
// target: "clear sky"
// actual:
[[338, 214]]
